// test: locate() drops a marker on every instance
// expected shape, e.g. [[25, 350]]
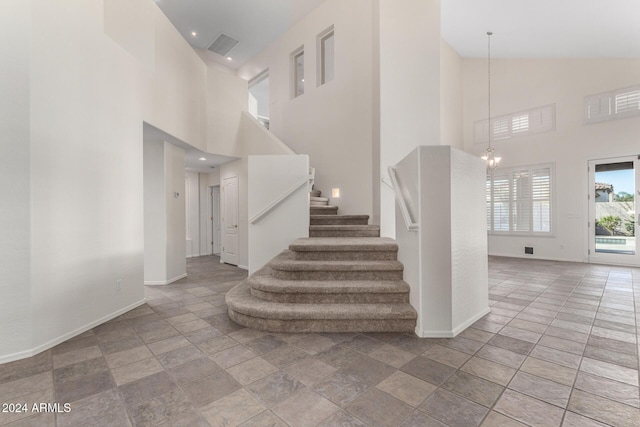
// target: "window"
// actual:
[[297, 72], [519, 200], [325, 56], [537, 120], [619, 103]]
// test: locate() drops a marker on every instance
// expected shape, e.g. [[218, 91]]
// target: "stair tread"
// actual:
[[339, 216], [343, 244], [285, 262], [239, 299], [344, 227], [326, 207], [262, 280], [318, 199]]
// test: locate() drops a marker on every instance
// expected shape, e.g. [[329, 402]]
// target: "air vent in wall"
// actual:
[[223, 44]]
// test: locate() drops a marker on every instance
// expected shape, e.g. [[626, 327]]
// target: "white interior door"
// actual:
[[215, 229], [614, 187], [229, 252]]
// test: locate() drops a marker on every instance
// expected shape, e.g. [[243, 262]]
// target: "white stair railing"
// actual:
[[403, 198], [280, 199]]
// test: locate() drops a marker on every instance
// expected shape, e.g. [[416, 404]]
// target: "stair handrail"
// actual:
[[280, 199], [402, 202]]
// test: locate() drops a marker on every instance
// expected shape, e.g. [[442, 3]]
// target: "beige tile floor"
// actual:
[[560, 347]]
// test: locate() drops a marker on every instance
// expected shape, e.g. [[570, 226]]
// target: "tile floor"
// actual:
[[560, 347]]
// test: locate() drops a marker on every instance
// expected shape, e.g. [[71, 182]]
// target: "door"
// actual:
[[229, 252], [614, 186], [215, 230]]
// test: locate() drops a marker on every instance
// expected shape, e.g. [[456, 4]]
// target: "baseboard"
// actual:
[[537, 257], [62, 338], [455, 331], [470, 321], [244, 267], [16, 356], [198, 254], [167, 282]]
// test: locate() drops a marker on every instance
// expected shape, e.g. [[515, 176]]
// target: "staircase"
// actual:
[[343, 278]]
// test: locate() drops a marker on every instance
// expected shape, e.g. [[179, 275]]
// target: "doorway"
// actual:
[[259, 98], [614, 185]]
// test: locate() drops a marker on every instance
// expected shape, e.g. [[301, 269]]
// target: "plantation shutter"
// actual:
[[627, 102], [541, 199], [520, 123], [501, 196], [521, 200]]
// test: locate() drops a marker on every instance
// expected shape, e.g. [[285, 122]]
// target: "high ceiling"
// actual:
[[522, 28], [255, 23], [543, 28]]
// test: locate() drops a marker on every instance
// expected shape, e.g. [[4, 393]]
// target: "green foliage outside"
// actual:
[[623, 197], [630, 226], [609, 223]]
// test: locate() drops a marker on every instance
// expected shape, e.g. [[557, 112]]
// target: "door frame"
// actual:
[[602, 257]]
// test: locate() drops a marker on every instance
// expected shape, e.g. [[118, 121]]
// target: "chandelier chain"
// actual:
[[489, 33]]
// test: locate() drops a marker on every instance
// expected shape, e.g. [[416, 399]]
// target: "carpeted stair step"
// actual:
[[252, 312], [323, 210], [315, 193], [318, 201], [344, 248], [339, 219], [268, 288], [286, 267], [344, 231]]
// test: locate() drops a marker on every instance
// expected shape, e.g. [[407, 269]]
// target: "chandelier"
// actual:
[[489, 154]]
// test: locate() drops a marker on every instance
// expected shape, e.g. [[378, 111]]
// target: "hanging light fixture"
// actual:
[[489, 154]]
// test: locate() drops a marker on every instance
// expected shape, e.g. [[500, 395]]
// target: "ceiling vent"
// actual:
[[223, 45]]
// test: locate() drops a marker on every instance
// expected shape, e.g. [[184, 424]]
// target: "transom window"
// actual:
[[520, 200], [536, 120], [619, 103]]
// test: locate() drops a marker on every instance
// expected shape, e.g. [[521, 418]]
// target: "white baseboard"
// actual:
[[244, 267], [537, 257], [455, 331], [62, 338], [166, 282]]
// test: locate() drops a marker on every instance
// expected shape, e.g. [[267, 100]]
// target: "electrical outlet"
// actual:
[[528, 250], [118, 284]]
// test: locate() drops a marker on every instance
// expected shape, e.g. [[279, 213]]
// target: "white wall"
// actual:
[[253, 139], [519, 84], [269, 179], [82, 101], [331, 123], [175, 207], [450, 97], [155, 214], [227, 98], [15, 177], [410, 46], [192, 203], [178, 104]]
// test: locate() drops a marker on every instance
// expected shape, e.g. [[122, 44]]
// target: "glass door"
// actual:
[[614, 187]]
